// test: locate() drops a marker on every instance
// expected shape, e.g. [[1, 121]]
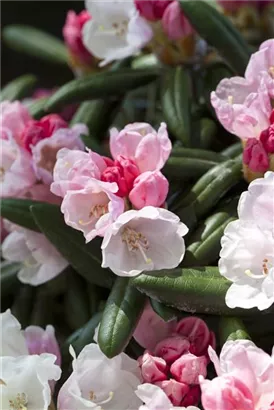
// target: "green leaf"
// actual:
[[85, 258], [102, 85], [23, 305], [219, 32], [9, 281], [18, 88], [165, 312], [184, 167], [36, 108], [194, 290], [122, 311], [36, 43], [18, 212], [176, 104], [234, 150], [232, 328], [197, 154]]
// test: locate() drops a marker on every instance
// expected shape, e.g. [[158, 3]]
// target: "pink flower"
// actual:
[[174, 22], [192, 397], [151, 328], [153, 369], [72, 32], [93, 208], [148, 239], [36, 131], [74, 168], [139, 141], [16, 169], [152, 10], [171, 348], [255, 156], [174, 390], [267, 139], [42, 341], [245, 378], [45, 151], [149, 188], [188, 368], [197, 332], [13, 118]]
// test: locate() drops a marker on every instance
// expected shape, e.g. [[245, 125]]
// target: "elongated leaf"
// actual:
[[23, 304], [85, 258], [34, 42], [9, 281], [36, 108], [195, 290], [122, 311], [18, 88], [198, 154], [100, 85], [233, 151], [165, 312], [232, 328], [182, 167], [176, 104], [219, 32], [18, 212]]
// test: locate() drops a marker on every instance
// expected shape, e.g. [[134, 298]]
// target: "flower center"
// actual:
[[2, 173], [120, 28], [271, 71], [95, 212], [136, 241], [265, 268], [93, 397], [19, 403]]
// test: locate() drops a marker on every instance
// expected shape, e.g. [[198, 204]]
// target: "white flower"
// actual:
[[155, 398], [24, 381], [144, 240], [115, 31], [100, 383], [41, 261], [13, 342]]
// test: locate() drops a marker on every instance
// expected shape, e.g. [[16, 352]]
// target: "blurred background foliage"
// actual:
[[46, 15]]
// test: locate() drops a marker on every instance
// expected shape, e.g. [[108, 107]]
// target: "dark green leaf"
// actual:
[[122, 311], [233, 151], [18, 88], [36, 108], [23, 304], [85, 258], [165, 312], [9, 281], [232, 328], [18, 212]]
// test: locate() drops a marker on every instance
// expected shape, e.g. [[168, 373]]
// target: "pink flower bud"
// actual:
[[174, 390], [115, 174], [36, 131], [109, 162], [153, 369], [72, 32], [271, 119], [197, 332], [174, 22], [171, 348], [188, 368], [130, 169], [149, 188], [42, 341], [152, 10], [267, 139], [192, 398], [255, 156]]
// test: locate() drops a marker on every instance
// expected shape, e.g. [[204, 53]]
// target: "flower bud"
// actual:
[[192, 397], [197, 332], [171, 348], [267, 139], [255, 156], [188, 368], [174, 390], [153, 369], [130, 170], [149, 188], [115, 174], [152, 10], [42, 341], [174, 22]]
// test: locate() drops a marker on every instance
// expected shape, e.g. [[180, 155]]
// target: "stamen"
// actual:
[[19, 403], [110, 397], [29, 263], [271, 70], [2, 173], [96, 211], [92, 395], [2, 382], [136, 240], [230, 99]]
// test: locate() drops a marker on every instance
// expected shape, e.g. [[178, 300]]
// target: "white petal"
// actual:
[[246, 297], [14, 247], [13, 342]]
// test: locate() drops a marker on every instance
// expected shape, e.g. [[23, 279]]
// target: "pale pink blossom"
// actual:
[[12, 342], [16, 171], [74, 168], [139, 141], [172, 348], [174, 22], [45, 151], [144, 240], [13, 118], [153, 369], [152, 10], [245, 378], [152, 329], [149, 188], [40, 260], [187, 368], [42, 341], [93, 208]]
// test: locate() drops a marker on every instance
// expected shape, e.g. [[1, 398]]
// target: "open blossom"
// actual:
[[98, 381], [115, 31], [40, 260], [144, 240], [139, 141], [25, 381], [155, 398], [13, 342], [14, 116], [41, 340], [247, 254], [245, 378], [93, 208]]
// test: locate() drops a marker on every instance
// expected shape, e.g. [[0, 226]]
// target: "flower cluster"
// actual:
[[98, 193], [244, 108], [247, 254], [176, 355], [29, 149]]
